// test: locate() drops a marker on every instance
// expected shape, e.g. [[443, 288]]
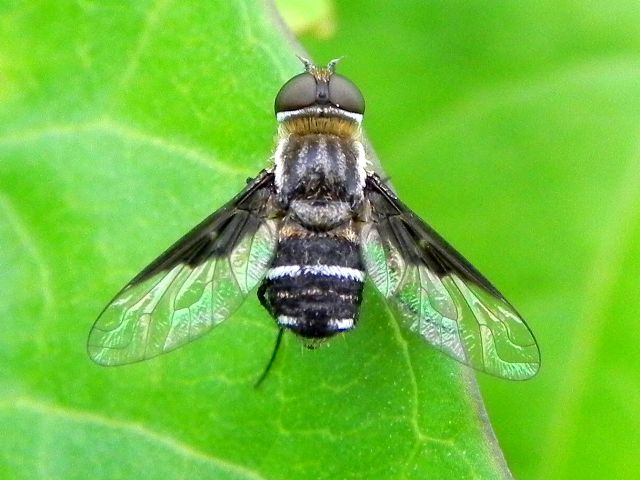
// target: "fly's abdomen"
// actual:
[[314, 287]]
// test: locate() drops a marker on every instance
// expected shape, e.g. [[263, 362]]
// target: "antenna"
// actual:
[[308, 64], [331, 66]]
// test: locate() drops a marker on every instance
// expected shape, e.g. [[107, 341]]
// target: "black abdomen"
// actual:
[[314, 287]]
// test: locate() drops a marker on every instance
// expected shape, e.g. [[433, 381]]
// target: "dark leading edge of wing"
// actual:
[[441, 295], [217, 234], [196, 284]]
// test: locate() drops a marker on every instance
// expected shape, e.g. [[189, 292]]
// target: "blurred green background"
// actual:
[[512, 127]]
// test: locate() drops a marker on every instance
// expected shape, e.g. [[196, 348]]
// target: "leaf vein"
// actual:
[[171, 443], [32, 250], [119, 130], [150, 21], [421, 438]]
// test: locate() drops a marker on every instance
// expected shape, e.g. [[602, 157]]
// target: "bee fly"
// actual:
[[310, 230]]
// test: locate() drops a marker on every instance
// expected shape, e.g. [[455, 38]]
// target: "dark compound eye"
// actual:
[[343, 93], [304, 90], [299, 92]]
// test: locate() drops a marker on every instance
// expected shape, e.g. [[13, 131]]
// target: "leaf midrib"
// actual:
[[24, 403]]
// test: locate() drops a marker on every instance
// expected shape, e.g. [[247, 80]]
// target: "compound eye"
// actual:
[[298, 92], [344, 94]]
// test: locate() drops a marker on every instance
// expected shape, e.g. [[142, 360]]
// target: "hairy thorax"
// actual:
[[320, 178]]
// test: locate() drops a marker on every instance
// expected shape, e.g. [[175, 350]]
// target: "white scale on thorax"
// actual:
[[284, 116], [322, 155], [279, 161], [361, 163]]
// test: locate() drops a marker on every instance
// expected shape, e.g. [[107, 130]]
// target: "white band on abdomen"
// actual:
[[338, 324], [324, 270]]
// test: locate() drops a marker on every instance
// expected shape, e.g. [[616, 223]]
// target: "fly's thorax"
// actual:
[[317, 170]]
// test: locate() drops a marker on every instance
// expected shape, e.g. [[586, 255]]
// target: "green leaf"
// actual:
[[122, 125]]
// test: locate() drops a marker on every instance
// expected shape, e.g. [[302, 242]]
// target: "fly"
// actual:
[[308, 232]]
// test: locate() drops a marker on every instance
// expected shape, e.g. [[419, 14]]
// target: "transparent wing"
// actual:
[[440, 295], [193, 286]]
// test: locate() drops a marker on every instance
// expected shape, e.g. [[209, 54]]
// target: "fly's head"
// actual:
[[320, 101]]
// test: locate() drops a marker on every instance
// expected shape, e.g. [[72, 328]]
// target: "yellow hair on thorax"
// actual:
[[302, 125]]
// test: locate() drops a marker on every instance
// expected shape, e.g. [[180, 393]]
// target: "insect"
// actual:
[[307, 232]]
